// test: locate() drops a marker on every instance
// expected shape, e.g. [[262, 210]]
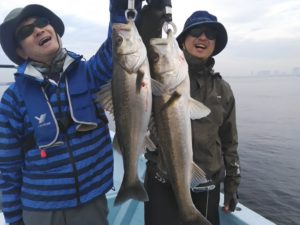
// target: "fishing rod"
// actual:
[[8, 66]]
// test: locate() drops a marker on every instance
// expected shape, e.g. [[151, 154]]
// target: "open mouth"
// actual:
[[200, 46], [44, 41]]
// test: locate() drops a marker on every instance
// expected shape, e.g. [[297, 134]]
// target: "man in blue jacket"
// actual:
[[56, 161]]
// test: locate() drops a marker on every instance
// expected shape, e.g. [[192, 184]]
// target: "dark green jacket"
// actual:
[[215, 138]]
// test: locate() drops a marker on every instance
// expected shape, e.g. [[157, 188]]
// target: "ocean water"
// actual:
[[268, 118]]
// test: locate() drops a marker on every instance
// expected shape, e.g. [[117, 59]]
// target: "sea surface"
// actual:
[[268, 118]]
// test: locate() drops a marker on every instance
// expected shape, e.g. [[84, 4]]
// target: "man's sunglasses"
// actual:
[[27, 30], [198, 31]]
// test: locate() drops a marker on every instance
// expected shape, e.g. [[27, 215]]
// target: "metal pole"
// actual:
[[7, 66]]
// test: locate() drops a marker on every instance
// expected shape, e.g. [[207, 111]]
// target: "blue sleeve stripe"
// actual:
[[9, 204], [47, 188], [106, 180], [6, 135], [89, 147], [44, 192], [48, 197], [12, 216], [59, 164], [99, 170], [38, 177]]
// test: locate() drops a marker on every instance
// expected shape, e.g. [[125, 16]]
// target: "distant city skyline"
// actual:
[[293, 71]]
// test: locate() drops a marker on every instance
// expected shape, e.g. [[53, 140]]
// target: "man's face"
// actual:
[[41, 45], [200, 42]]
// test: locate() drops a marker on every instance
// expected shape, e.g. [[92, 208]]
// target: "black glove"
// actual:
[[150, 23], [123, 4], [230, 201], [152, 156], [159, 4]]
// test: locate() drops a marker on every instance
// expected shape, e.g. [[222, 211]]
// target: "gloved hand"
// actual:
[[150, 23], [159, 4], [230, 201], [123, 4], [152, 156]]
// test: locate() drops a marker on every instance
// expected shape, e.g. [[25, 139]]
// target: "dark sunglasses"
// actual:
[[27, 30], [198, 31]]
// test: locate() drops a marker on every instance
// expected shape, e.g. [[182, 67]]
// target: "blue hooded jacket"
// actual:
[[77, 165]]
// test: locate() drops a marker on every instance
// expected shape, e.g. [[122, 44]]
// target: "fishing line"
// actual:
[[207, 197]]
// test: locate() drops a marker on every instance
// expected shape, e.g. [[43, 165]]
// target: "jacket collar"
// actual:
[[28, 69]]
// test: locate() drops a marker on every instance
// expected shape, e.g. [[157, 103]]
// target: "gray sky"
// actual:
[[263, 34]]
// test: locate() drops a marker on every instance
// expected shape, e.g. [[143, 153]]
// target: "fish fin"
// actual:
[[151, 125], [139, 81], [153, 131], [149, 144], [173, 98], [111, 121], [157, 88], [197, 109], [104, 97], [197, 219], [135, 191], [198, 176], [116, 145]]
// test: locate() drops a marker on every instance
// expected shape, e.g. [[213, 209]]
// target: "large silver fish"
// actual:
[[132, 102], [173, 110]]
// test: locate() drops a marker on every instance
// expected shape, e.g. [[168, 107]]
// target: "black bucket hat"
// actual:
[[200, 18], [15, 17]]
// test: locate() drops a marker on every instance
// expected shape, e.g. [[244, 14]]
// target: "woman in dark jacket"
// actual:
[[214, 137]]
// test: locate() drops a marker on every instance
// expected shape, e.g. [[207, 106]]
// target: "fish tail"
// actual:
[[198, 176], [134, 191], [192, 216], [199, 220]]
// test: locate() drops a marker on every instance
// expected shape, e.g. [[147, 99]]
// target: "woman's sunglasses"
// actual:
[[198, 31], [27, 30]]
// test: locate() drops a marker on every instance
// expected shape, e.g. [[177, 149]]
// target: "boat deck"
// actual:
[[132, 212]]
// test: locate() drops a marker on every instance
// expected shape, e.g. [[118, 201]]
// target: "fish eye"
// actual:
[[154, 57], [118, 41]]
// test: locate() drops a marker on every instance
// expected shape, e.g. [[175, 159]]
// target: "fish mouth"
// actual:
[[122, 53], [166, 73]]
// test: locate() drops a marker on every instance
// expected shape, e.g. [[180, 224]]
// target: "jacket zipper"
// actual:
[[67, 141], [75, 172]]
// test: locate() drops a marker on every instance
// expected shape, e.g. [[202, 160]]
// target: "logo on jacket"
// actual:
[[41, 119]]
